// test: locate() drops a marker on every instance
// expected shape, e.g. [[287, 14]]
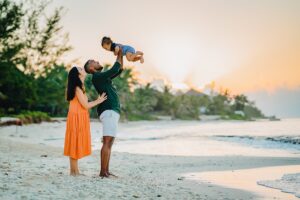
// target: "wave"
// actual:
[[289, 183], [282, 142]]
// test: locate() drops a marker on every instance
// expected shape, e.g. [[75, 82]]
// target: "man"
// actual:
[[109, 110]]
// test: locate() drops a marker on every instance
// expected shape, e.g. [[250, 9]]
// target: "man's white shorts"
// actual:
[[110, 120]]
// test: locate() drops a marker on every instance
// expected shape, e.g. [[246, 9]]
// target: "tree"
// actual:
[[219, 105], [239, 102], [10, 21], [15, 87], [145, 99], [186, 107], [43, 45], [51, 91], [164, 102], [23, 60]]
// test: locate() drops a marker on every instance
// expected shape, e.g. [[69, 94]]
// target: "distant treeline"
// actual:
[[145, 102], [33, 76]]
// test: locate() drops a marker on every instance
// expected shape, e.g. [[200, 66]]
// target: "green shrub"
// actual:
[[234, 117], [138, 117], [29, 117]]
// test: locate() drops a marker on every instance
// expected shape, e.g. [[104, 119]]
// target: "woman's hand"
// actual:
[[102, 97]]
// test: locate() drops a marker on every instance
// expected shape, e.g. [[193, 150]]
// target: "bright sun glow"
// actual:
[[180, 86], [174, 58]]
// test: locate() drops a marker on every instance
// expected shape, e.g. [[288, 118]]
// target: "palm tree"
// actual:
[[240, 101]]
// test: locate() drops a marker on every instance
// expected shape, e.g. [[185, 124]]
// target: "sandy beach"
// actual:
[[197, 100], [33, 167]]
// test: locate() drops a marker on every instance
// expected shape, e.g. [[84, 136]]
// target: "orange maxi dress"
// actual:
[[78, 136]]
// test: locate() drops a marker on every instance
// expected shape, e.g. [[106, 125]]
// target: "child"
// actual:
[[128, 51]]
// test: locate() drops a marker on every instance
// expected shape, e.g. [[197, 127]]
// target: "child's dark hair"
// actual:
[[106, 40]]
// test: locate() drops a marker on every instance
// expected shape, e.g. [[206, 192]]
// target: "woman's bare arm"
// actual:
[[84, 102]]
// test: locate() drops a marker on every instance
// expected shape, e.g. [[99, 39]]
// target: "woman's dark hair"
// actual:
[[106, 40], [73, 82]]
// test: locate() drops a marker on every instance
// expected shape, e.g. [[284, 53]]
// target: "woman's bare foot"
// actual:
[[75, 174]]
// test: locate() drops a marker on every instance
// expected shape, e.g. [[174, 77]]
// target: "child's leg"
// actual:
[[141, 57], [139, 53], [135, 57], [130, 56]]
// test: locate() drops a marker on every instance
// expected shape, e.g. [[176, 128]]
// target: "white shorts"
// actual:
[[110, 120]]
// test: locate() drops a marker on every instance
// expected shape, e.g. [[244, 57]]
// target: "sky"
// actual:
[[250, 47]]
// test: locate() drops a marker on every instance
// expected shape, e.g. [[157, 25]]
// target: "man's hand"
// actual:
[[120, 57], [117, 49]]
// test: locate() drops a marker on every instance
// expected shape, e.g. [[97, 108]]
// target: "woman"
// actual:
[[78, 138]]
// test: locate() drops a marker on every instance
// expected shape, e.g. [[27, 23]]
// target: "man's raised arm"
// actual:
[[116, 68], [120, 57], [119, 60]]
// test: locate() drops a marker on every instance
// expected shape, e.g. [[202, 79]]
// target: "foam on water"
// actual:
[[271, 142], [289, 183]]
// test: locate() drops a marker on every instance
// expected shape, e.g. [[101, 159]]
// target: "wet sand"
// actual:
[[247, 179]]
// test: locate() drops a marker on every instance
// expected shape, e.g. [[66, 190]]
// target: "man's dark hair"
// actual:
[[106, 40], [86, 66]]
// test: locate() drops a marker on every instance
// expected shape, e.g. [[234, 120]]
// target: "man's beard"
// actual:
[[99, 68]]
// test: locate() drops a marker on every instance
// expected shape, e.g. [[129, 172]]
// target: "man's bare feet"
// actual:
[[111, 174], [104, 175], [107, 175]]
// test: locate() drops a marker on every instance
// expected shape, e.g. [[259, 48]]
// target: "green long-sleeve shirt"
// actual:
[[102, 81]]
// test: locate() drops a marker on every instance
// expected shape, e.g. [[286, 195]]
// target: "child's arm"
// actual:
[[116, 50]]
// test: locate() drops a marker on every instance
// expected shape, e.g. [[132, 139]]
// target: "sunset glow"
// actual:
[[246, 46]]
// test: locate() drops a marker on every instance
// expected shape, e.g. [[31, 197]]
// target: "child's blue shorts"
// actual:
[[126, 49]]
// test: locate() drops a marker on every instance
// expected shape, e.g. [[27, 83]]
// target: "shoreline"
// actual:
[[178, 137], [249, 180], [12, 121]]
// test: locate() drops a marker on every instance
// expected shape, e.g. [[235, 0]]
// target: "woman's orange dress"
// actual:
[[78, 136]]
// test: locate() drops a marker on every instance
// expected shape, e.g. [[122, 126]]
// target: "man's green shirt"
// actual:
[[102, 81]]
